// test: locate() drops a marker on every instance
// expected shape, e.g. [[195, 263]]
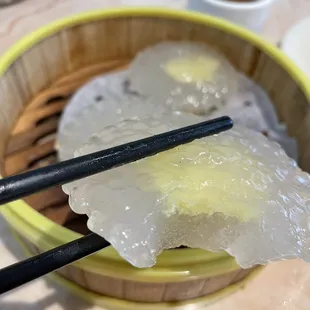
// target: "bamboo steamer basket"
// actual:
[[37, 77]]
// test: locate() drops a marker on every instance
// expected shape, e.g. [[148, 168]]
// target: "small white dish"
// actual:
[[296, 44], [251, 15]]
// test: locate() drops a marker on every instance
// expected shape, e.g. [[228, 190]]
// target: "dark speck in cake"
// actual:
[[98, 98]]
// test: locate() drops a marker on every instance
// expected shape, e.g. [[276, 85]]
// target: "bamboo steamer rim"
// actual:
[[30, 222], [111, 302], [35, 37]]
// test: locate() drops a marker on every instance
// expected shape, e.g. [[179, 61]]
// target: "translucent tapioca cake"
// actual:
[[186, 76], [194, 70], [236, 191], [103, 101]]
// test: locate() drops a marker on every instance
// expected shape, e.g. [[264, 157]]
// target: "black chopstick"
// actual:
[[30, 182], [42, 264]]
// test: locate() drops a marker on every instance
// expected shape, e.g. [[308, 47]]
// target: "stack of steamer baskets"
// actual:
[[38, 76]]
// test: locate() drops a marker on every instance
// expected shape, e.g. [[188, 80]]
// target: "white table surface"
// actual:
[[284, 285]]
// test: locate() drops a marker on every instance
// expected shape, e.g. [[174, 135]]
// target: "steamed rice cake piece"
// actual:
[[186, 76], [103, 101], [235, 191], [251, 107]]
